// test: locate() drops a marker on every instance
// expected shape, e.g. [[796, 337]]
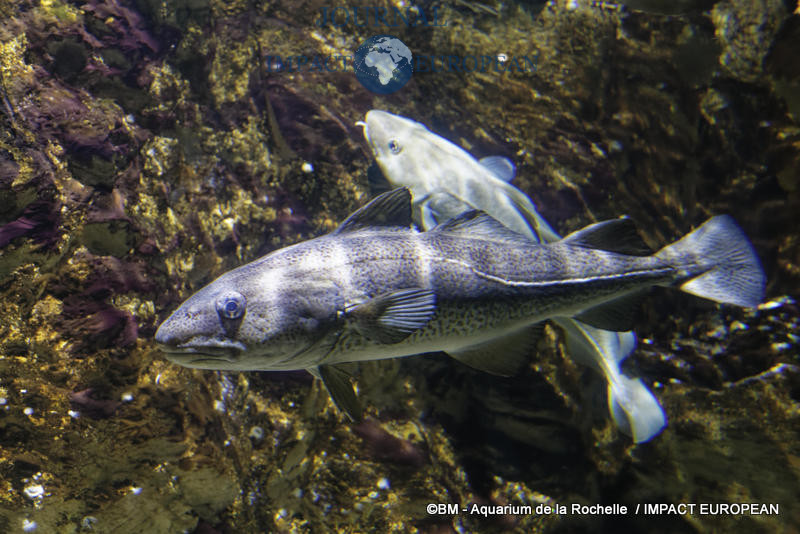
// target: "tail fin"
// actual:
[[729, 268], [633, 407]]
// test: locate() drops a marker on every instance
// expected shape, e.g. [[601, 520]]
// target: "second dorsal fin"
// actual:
[[479, 224], [616, 235]]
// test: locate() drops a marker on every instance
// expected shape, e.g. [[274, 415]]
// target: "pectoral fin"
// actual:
[[503, 356], [500, 167], [393, 316], [478, 224], [436, 208], [425, 217], [337, 382], [445, 206]]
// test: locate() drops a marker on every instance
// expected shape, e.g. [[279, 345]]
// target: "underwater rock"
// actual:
[[108, 230], [384, 446], [106, 327], [40, 219], [746, 31], [785, 78], [69, 58], [721, 454], [125, 22], [88, 405]]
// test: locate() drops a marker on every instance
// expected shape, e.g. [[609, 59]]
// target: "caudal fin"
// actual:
[[729, 268], [635, 409]]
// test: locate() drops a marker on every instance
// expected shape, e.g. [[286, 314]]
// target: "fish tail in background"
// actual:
[[634, 408], [731, 272]]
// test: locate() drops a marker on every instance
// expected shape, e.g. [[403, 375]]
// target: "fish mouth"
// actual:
[[194, 354], [367, 137]]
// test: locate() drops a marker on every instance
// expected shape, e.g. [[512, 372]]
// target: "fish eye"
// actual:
[[394, 146], [231, 305]]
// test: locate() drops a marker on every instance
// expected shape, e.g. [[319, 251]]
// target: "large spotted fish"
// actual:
[[377, 288]]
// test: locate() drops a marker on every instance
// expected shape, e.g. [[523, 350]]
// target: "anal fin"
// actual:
[[504, 356], [617, 315]]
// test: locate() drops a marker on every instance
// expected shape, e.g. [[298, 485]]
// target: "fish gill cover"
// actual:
[[146, 148]]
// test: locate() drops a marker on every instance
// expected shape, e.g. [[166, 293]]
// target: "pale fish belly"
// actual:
[[456, 325]]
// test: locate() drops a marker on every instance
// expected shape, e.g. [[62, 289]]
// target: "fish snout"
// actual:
[[377, 125], [166, 336]]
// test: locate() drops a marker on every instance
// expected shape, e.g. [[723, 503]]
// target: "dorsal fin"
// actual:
[[479, 224], [392, 208], [616, 235]]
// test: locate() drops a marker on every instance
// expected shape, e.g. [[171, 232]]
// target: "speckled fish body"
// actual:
[[483, 288], [485, 284], [376, 288]]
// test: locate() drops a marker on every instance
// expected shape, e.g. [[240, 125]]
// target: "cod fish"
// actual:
[[445, 181], [377, 288]]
